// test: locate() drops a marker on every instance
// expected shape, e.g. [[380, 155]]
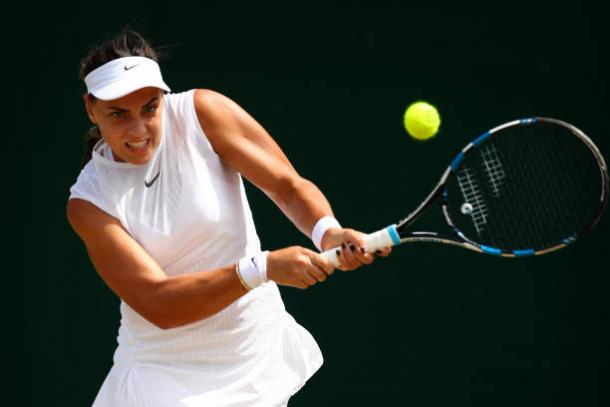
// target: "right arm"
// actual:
[[168, 302]]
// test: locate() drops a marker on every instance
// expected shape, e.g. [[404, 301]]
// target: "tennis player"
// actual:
[[161, 208]]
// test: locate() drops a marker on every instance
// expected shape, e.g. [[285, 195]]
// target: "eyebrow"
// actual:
[[120, 109]]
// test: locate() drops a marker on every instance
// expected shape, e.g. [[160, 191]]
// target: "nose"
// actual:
[[137, 127]]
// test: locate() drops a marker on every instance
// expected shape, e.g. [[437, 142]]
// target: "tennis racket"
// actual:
[[525, 188]]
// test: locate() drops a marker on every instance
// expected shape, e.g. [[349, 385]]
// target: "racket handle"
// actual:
[[385, 237]]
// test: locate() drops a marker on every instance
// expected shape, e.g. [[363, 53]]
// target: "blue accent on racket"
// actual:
[[491, 250], [481, 138], [457, 160], [523, 253], [393, 234]]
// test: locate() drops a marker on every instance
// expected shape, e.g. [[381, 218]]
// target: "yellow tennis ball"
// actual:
[[422, 120]]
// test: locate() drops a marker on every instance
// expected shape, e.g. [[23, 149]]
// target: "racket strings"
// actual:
[[534, 230], [505, 231], [576, 183], [566, 175], [551, 213], [518, 234], [537, 184]]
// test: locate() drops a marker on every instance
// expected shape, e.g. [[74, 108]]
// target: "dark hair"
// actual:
[[125, 43]]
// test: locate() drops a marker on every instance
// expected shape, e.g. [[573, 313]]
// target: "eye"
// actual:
[[116, 114], [150, 109]]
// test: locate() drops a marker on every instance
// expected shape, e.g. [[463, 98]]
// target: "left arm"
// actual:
[[245, 145]]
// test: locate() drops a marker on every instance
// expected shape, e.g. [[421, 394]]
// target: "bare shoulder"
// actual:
[[241, 141], [208, 97], [223, 120], [214, 108]]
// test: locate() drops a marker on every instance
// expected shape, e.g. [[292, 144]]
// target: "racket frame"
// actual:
[[398, 233], [456, 237]]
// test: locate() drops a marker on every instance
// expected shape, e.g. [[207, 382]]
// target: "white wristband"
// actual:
[[321, 227], [252, 270]]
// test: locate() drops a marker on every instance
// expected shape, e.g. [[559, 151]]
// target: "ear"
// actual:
[[89, 109]]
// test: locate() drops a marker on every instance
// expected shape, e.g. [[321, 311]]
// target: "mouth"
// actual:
[[137, 146]]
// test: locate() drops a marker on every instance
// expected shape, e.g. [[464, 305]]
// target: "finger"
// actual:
[[358, 246], [307, 278], [347, 252], [361, 256], [321, 262], [356, 238], [344, 263], [317, 273], [385, 252], [300, 285], [364, 257]]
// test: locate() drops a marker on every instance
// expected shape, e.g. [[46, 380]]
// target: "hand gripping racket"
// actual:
[[525, 188]]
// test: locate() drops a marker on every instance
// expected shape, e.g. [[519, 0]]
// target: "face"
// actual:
[[130, 125]]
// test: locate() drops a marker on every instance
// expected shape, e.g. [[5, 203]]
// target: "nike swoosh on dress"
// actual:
[[152, 181]]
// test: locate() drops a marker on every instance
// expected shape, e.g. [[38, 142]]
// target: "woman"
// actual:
[[163, 214]]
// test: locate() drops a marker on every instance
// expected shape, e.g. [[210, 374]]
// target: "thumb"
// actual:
[[322, 262]]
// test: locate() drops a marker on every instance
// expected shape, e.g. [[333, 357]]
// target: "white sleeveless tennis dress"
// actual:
[[194, 216]]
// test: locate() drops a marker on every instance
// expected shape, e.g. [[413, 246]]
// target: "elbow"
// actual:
[[166, 310], [171, 319], [156, 310], [160, 319], [154, 314], [291, 188], [162, 314], [165, 324]]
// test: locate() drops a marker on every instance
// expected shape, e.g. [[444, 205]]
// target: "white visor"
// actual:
[[122, 76]]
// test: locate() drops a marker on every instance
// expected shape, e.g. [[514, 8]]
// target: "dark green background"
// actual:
[[429, 326]]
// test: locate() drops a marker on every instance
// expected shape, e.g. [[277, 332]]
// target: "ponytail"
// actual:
[[91, 138]]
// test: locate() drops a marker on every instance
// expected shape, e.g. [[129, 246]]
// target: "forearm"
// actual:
[[303, 203], [187, 298]]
